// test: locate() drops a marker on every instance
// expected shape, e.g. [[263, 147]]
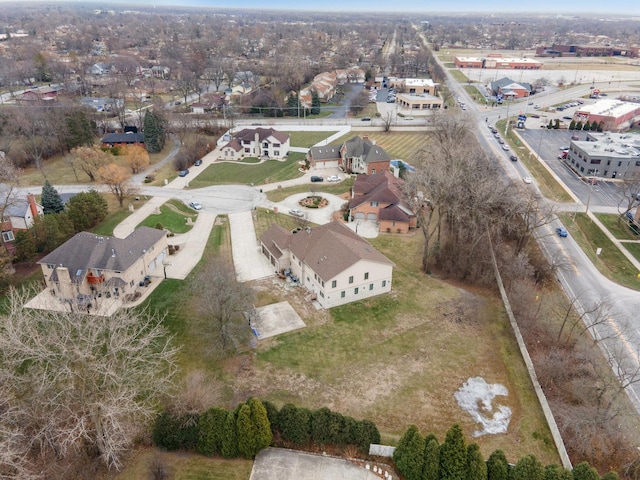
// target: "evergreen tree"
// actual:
[[476, 466], [431, 467], [587, 125], [453, 455], [230, 437], [272, 415], [25, 245], [51, 201], [550, 126], [578, 125], [326, 427], [293, 104], [610, 476], [246, 432], [528, 468], [315, 103], [601, 126], [409, 454], [584, 471], [572, 125], [556, 124], [553, 472], [154, 132], [497, 466], [594, 126], [260, 420], [86, 210], [80, 131], [211, 429], [295, 424], [363, 434]]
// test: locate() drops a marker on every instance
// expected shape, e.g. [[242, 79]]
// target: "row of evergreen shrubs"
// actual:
[[423, 458], [255, 425]]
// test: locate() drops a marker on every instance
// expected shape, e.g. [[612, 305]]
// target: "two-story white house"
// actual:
[[332, 262], [256, 142]]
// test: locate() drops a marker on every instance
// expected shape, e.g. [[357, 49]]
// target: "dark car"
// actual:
[[513, 158], [562, 232], [567, 118], [197, 163], [494, 131], [317, 179], [366, 119], [183, 173]]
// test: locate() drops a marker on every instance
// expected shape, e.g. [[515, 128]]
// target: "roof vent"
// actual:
[[100, 239], [113, 253]]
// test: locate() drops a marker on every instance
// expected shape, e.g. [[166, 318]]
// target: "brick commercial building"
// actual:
[[558, 50], [614, 114], [494, 61]]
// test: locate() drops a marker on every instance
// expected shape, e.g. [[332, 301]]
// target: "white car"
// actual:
[[195, 205], [505, 147], [527, 179], [296, 213], [333, 178]]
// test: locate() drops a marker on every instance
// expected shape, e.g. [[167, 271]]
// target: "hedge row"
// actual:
[[423, 458], [252, 426]]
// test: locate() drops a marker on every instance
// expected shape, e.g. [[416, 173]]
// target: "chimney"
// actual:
[[32, 205], [65, 287], [365, 137]]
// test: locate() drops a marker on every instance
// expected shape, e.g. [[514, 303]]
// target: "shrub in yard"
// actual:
[[159, 226], [176, 431], [527, 468], [476, 466], [431, 466], [409, 454], [497, 466], [363, 434], [211, 430], [326, 427], [230, 438], [295, 424], [584, 471], [453, 455]]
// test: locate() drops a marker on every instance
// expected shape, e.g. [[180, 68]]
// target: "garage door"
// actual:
[[156, 262], [359, 216], [372, 216]]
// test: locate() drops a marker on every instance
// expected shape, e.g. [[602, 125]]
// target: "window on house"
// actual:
[[619, 164], [247, 150], [322, 283], [355, 291], [276, 145], [384, 283], [51, 266], [8, 236], [276, 152], [373, 204], [334, 283], [322, 294], [371, 286], [595, 162], [351, 279], [342, 294], [373, 171], [366, 275]]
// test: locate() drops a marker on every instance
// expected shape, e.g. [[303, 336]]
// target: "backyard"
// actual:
[[402, 145]]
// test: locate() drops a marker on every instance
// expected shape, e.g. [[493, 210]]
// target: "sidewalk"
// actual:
[[192, 245], [129, 224]]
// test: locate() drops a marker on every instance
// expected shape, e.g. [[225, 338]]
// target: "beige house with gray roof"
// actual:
[[332, 262], [89, 265]]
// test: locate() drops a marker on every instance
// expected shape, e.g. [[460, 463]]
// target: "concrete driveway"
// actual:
[[248, 259], [280, 464], [315, 215]]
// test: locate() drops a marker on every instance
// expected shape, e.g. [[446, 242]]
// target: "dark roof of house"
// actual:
[[327, 152], [328, 250], [19, 208], [365, 148], [87, 250], [129, 137], [380, 187], [249, 134], [505, 82], [398, 213]]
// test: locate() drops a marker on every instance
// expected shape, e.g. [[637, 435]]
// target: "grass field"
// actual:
[[307, 139], [404, 145], [458, 76], [475, 94], [618, 226], [172, 216], [268, 172], [611, 262], [633, 248]]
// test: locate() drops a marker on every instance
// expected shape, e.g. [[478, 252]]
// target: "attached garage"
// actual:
[[359, 216], [372, 216]]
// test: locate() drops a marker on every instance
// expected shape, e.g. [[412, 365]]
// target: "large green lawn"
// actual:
[[173, 215], [617, 225], [241, 173], [307, 139]]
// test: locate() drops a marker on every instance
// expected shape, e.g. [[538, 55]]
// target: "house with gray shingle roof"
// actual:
[[326, 156], [361, 155], [379, 198], [90, 264], [332, 262]]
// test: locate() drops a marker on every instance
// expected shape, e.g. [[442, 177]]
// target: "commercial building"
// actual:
[[559, 50], [418, 101], [606, 155], [614, 114], [496, 60]]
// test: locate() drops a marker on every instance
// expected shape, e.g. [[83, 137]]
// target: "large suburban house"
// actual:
[[606, 155], [356, 155], [255, 142], [379, 198], [333, 263], [18, 215], [90, 264]]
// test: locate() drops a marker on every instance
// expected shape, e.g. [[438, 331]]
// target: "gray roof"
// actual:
[[366, 149], [18, 208], [327, 152], [129, 137], [87, 250]]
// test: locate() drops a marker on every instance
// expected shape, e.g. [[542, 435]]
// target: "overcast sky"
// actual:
[[624, 8]]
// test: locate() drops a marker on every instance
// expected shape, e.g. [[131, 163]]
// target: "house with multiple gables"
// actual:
[[379, 198], [90, 264], [18, 215], [254, 142], [332, 262], [357, 155]]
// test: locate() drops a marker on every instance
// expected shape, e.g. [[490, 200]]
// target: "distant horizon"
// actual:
[[613, 8]]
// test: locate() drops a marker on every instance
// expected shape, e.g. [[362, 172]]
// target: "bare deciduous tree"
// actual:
[[117, 180], [73, 383], [88, 160]]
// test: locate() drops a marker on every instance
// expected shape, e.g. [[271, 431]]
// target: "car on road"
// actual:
[[500, 141], [197, 163], [296, 213], [195, 205], [513, 158], [408, 118], [537, 107], [574, 137], [562, 232], [494, 130], [505, 147], [567, 118], [564, 148], [365, 119], [183, 173], [527, 179], [315, 178], [333, 178], [530, 103]]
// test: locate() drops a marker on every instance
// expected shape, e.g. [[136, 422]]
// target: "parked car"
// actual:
[[562, 232], [408, 118], [315, 178], [527, 179], [567, 118], [183, 173], [494, 130], [564, 148], [197, 163], [195, 205], [333, 178], [501, 141], [296, 213], [574, 137], [366, 119], [513, 158], [505, 147]]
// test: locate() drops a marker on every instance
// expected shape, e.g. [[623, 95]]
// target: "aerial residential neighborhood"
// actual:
[[254, 243]]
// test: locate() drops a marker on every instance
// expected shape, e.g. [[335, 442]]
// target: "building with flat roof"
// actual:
[[418, 102], [413, 85], [615, 114], [497, 61], [606, 155], [559, 50]]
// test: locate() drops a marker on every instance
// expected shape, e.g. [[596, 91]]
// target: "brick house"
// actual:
[[361, 155]]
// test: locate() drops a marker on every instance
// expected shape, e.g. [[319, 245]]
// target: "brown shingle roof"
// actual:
[[381, 187]]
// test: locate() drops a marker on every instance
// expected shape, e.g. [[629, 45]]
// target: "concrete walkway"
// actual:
[[248, 259], [192, 245], [129, 224]]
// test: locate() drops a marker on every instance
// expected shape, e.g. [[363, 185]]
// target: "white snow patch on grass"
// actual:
[[476, 396]]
